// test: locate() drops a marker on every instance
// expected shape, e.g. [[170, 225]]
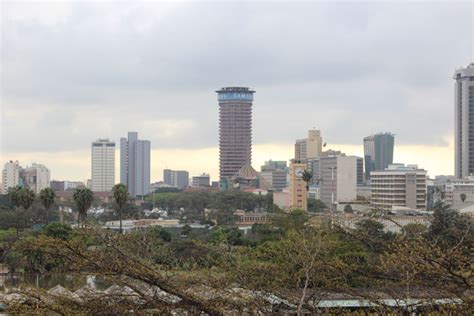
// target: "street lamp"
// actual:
[[332, 195]]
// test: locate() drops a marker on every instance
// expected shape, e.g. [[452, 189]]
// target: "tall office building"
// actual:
[[310, 147], [275, 173], [135, 164], [464, 121], [235, 130], [378, 152], [176, 178], [10, 175], [300, 149], [102, 165], [314, 144], [297, 187]]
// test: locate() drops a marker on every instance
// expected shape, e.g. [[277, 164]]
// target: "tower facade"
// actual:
[[464, 121], [135, 164], [378, 152], [102, 165], [235, 130]]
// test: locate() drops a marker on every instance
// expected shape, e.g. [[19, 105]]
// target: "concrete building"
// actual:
[[176, 178], [235, 131], [37, 177], [310, 147], [314, 144], [398, 186], [378, 152], [202, 180], [338, 177], [275, 173], [135, 164], [300, 149], [459, 193], [10, 175], [297, 187], [464, 121], [102, 165]]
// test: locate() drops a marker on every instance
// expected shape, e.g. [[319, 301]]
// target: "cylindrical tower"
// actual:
[[235, 130]]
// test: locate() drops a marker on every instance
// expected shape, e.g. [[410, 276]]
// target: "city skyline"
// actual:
[[299, 83]]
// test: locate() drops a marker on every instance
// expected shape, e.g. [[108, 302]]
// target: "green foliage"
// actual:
[[294, 220], [121, 198], [348, 209], [230, 236], [58, 230], [449, 226], [83, 199], [316, 206], [307, 176]]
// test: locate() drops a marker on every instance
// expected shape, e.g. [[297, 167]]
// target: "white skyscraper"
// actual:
[[464, 121], [10, 175], [102, 165]]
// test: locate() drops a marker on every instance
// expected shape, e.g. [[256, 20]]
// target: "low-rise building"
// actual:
[[249, 218], [202, 180], [398, 186]]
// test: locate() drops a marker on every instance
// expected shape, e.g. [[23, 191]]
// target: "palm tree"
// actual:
[[307, 176], [83, 199], [14, 194], [120, 193], [27, 197], [47, 196]]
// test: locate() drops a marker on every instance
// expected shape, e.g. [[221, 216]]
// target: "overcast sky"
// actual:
[[72, 72]]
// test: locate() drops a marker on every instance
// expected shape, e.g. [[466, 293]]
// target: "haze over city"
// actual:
[[77, 71]]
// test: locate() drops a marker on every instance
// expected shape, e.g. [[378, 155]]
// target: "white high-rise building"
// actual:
[[102, 165], [10, 175], [464, 121], [37, 177]]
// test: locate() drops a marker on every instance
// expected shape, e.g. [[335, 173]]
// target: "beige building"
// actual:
[[10, 175], [398, 186], [314, 144], [297, 187], [310, 147]]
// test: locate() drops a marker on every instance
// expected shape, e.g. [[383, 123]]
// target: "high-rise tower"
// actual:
[[102, 165], [464, 121], [235, 130], [135, 164], [378, 152]]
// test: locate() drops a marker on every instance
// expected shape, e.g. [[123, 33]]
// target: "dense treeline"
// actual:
[[289, 258]]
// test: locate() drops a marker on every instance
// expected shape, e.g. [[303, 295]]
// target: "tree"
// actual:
[[21, 198], [47, 196], [463, 197], [307, 176], [83, 199], [121, 197], [58, 230], [348, 209], [316, 205]]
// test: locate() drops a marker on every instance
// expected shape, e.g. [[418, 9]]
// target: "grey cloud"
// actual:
[[350, 69]]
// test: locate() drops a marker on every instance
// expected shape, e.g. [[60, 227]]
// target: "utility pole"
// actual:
[[332, 195]]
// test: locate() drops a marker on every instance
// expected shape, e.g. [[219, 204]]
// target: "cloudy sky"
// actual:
[[72, 72]]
